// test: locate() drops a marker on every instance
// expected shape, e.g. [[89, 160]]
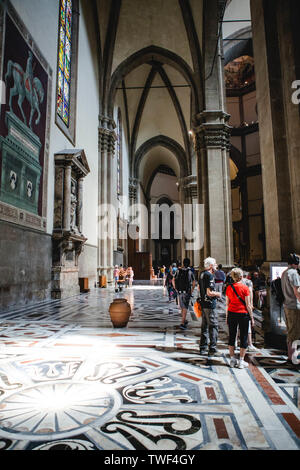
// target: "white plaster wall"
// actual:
[[41, 19]]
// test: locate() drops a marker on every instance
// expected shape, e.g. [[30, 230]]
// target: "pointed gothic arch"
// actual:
[[160, 141], [150, 55]]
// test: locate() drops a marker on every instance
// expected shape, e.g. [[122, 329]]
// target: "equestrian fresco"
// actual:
[[25, 86], [22, 123]]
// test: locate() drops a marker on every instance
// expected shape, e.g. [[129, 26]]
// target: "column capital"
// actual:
[[106, 140], [133, 188], [212, 130]]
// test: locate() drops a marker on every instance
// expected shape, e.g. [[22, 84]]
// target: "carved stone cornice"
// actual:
[[211, 130], [106, 140], [133, 188]]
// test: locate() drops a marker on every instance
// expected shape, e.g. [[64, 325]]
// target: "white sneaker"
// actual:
[[242, 364], [252, 348], [233, 362]]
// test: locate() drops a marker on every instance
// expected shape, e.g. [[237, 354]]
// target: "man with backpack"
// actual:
[[208, 296], [290, 283], [184, 283]]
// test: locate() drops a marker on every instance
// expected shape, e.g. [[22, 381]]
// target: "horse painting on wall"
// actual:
[[24, 124]]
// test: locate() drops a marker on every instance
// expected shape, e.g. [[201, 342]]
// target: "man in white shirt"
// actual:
[[290, 283]]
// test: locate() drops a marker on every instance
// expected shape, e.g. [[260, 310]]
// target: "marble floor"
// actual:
[[69, 380]]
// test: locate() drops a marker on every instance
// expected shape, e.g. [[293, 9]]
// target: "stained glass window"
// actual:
[[64, 61], [119, 154]]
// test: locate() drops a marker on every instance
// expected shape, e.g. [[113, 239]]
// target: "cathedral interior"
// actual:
[[139, 133]]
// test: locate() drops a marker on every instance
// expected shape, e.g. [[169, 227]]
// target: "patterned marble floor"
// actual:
[[69, 380]]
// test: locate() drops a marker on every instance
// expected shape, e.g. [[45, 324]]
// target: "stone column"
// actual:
[[113, 214], [212, 140], [276, 39], [278, 124], [188, 186], [79, 204], [106, 149], [67, 197]]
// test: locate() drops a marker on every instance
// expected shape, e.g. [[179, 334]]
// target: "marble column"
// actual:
[[212, 141]]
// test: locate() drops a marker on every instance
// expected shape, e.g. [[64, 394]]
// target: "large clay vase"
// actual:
[[120, 312]]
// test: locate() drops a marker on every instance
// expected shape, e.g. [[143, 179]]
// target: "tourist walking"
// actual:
[[184, 283], [208, 296], [130, 276], [239, 313], [290, 283], [169, 285]]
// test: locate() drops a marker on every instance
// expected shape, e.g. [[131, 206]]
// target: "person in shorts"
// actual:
[[184, 283]]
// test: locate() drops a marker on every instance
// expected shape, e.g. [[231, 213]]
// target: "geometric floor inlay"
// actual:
[[69, 380]]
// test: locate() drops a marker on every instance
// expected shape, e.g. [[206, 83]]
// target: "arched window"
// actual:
[[67, 67], [64, 60], [119, 154]]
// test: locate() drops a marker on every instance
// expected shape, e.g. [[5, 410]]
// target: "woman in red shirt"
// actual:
[[238, 314]]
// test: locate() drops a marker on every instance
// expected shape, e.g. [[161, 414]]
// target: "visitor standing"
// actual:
[[220, 278], [122, 277], [184, 283], [251, 333], [238, 315], [116, 276], [290, 283], [208, 296]]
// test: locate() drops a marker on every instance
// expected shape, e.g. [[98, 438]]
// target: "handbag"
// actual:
[[198, 308]]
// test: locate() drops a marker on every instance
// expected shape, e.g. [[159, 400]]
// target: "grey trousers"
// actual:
[[209, 330]]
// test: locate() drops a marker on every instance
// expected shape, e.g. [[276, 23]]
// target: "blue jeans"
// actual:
[[210, 329]]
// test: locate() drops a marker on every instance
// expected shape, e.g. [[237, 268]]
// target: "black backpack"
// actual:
[[276, 289], [182, 280]]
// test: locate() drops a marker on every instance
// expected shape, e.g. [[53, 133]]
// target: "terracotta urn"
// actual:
[[120, 312]]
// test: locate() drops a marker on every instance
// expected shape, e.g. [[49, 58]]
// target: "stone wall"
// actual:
[[25, 267], [87, 263]]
